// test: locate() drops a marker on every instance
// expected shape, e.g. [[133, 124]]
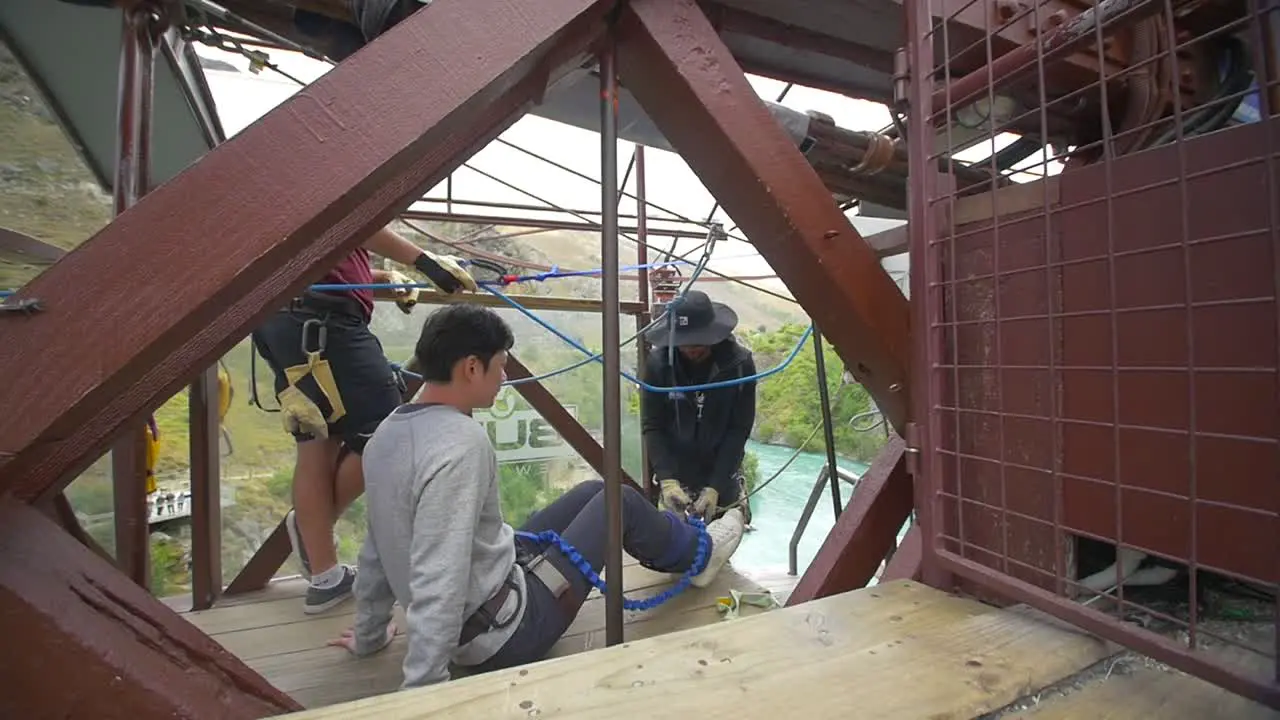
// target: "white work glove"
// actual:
[[673, 497], [300, 415], [445, 272], [406, 298], [705, 505]]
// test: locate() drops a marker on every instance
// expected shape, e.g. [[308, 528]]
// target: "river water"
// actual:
[[776, 509]]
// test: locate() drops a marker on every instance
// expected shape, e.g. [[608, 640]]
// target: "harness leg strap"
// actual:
[[544, 569]]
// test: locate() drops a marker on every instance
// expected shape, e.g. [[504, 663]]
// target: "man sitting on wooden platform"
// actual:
[[476, 592]]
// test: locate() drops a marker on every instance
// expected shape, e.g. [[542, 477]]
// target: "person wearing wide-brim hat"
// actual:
[[696, 439]]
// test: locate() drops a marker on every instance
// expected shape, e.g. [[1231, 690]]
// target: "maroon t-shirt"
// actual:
[[354, 269]]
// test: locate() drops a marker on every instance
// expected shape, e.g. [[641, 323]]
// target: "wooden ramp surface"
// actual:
[[269, 631], [1135, 687], [899, 650]]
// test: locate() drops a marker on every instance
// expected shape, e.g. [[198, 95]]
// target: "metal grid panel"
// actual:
[[1100, 319]]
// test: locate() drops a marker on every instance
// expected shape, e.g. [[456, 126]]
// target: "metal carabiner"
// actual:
[[322, 335]]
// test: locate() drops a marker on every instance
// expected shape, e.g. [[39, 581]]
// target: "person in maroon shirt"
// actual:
[[332, 414]]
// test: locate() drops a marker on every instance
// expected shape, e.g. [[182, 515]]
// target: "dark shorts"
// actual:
[[368, 386]]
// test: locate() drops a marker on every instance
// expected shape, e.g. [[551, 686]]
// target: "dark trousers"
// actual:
[[657, 539], [368, 386]]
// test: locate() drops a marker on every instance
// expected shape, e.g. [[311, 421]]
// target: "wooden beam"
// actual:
[[866, 531], [678, 68], [206, 491], [361, 147], [20, 247], [888, 243], [550, 303], [86, 642], [129, 505], [61, 512], [264, 564], [554, 413], [906, 561]]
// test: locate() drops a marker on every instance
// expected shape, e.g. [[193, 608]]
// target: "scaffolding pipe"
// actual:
[[646, 299], [135, 97], [828, 427], [612, 341]]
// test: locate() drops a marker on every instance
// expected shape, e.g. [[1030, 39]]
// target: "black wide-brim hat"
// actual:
[[693, 320]]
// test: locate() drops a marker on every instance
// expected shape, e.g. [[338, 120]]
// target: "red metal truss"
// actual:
[[168, 299], [83, 641], [866, 531], [674, 63]]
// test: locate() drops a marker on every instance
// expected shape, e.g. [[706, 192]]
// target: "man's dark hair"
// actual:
[[456, 332]]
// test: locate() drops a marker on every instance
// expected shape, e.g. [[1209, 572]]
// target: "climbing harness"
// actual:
[[301, 414], [700, 558]]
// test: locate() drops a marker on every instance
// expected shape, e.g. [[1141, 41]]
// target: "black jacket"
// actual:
[[699, 451]]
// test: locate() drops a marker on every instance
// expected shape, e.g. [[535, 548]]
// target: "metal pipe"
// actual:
[[809, 506], [793, 550], [132, 180], [828, 428], [1075, 33], [468, 203], [646, 299], [612, 340], [546, 224]]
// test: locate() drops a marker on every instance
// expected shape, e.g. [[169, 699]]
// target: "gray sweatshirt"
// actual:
[[436, 541]]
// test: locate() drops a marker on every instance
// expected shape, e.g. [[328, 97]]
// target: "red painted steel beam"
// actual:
[[24, 248], [83, 641], [537, 395], [907, 559], [264, 564], [290, 195], [688, 82], [866, 531], [206, 490]]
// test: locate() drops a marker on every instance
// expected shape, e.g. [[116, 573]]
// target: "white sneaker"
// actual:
[[726, 533]]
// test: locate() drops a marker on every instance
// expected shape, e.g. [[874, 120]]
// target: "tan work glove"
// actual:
[[705, 505], [300, 415], [673, 497], [445, 272], [406, 298]]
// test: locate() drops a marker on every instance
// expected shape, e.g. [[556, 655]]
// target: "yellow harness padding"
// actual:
[[299, 413], [153, 454], [225, 392]]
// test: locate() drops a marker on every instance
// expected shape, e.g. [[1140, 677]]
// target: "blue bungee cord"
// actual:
[[642, 384], [700, 558]]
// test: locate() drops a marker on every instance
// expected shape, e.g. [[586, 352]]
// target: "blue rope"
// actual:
[[553, 273], [597, 357], [551, 537]]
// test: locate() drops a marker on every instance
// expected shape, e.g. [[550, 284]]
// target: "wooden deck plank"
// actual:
[[1148, 692], [1136, 688], [901, 650], [268, 630]]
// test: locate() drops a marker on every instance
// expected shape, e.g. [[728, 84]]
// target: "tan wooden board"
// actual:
[[268, 630], [1139, 689], [901, 650]]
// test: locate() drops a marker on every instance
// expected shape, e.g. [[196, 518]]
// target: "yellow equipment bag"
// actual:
[[225, 391], [153, 452]]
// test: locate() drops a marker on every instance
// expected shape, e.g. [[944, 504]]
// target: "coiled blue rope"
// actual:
[[551, 537]]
